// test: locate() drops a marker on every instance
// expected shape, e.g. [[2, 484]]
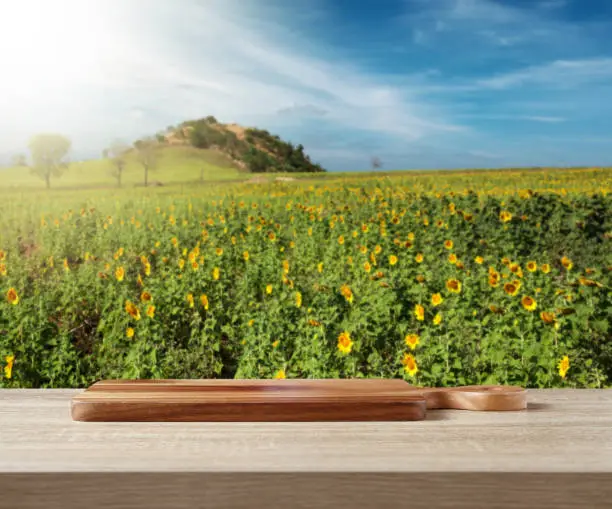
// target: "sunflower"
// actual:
[[436, 299], [496, 310], [320, 268], [412, 340], [420, 278], [347, 293], [453, 286], [246, 256], [515, 268], [12, 297], [437, 320], [181, 264], [132, 310], [532, 266], [392, 260], [151, 311], [410, 365], [280, 374], [511, 289], [567, 263], [345, 344], [448, 244], [8, 369], [545, 268], [505, 216], [564, 365], [204, 301], [190, 300], [367, 267], [298, 299], [215, 273], [377, 249], [419, 258], [589, 282], [494, 280], [129, 332], [452, 258], [341, 239], [419, 312], [479, 260], [529, 303], [547, 317], [286, 266], [146, 297], [3, 270]]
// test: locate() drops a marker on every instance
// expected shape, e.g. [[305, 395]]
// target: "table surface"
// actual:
[[563, 430]]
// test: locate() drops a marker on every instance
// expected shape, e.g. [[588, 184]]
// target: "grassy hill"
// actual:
[[201, 150], [255, 150], [176, 164]]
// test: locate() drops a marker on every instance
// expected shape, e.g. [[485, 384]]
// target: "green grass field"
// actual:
[[181, 165], [175, 165]]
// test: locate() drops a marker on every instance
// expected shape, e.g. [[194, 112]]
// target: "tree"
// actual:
[[117, 154], [147, 151], [376, 163], [48, 152], [20, 160]]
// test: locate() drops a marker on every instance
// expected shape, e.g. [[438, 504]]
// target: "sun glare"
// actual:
[[52, 44]]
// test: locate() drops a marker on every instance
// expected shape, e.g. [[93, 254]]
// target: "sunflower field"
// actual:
[[445, 280]]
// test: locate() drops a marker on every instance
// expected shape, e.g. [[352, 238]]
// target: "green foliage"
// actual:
[[117, 153], [148, 151], [259, 150], [275, 262], [282, 156]]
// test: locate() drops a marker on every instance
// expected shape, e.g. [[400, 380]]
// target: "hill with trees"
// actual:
[[255, 150], [196, 150]]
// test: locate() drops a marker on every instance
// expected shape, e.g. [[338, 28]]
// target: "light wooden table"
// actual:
[[557, 454]]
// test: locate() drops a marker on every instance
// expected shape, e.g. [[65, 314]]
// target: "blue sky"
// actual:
[[418, 83]]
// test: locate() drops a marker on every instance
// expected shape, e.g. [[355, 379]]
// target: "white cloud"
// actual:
[[529, 118], [557, 74], [189, 60]]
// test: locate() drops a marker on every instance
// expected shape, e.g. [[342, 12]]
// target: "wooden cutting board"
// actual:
[[281, 400]]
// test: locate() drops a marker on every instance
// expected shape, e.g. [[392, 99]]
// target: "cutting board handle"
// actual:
[[476, 397]]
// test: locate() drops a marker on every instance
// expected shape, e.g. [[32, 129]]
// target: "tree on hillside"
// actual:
[[48, 152], [147, 152], [117, 155], [20, 160]]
